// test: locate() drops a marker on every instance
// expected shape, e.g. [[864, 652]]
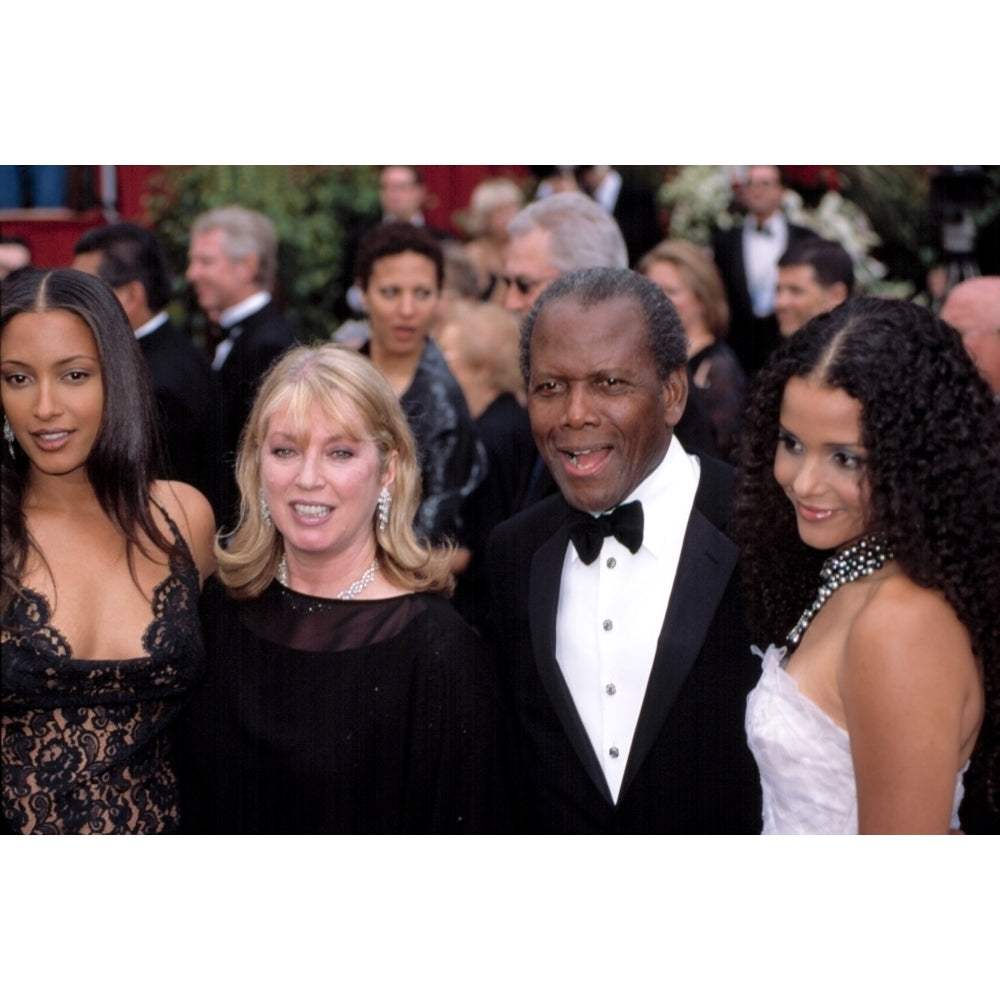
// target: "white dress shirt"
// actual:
[[611, 612], [761, 252]]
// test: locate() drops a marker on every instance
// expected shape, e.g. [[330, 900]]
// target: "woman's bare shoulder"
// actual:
[[193, 515]]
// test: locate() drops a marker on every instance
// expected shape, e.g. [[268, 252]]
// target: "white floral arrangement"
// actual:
[[700, 199]]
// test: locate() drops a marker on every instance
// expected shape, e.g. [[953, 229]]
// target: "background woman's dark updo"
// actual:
[[126, 456], [392, 238], [932, 436]]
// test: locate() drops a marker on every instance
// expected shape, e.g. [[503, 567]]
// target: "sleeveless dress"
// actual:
[[84, 742], [804, 758]]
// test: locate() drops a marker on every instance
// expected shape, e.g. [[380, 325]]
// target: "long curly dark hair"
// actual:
[[931, 431], [126, 455]]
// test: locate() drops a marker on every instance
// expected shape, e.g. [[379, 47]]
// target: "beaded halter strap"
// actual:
[[863, 559]]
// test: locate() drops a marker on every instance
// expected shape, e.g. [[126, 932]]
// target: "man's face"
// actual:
[[974, 311], [528, 270], [600, 415], [219, 281], [799, 297], [762, 192], [399, 193]]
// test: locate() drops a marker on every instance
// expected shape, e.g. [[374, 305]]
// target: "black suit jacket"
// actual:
[[186, 397], [636, 214], [751, 337], [264, 336], [689, 769]]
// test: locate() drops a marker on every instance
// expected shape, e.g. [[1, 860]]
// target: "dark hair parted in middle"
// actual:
[[390, 239], [594, 285]]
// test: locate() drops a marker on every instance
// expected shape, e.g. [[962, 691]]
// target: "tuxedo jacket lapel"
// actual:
[[707, 561], [543, 595]]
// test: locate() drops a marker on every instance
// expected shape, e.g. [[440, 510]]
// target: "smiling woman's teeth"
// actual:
[[311, 509]]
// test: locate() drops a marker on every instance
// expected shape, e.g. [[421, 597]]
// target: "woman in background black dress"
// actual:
[[344, 694]]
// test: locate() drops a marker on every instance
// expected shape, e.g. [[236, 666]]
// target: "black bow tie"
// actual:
[[587, 532]]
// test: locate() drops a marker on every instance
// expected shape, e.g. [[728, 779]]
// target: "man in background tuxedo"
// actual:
[[133, 262], [615, 603], [814, 276], [232, 265], [747, 258], [632, 205]]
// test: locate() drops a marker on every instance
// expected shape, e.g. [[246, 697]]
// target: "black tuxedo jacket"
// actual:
[[689, 768], [751, 337], [264, 336], [186, 393], [636, 214]]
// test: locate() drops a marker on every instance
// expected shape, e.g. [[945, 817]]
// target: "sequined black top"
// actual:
[[84, 742], [452, 463]]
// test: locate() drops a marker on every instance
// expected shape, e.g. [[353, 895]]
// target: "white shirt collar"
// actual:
[[234, 314], [151, 325], [606, 193]]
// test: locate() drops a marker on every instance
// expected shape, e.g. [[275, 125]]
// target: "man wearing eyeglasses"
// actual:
[[561, 233], [747, 258]]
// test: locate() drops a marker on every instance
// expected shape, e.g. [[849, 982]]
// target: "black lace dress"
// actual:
[[84, 742], [326, 716]]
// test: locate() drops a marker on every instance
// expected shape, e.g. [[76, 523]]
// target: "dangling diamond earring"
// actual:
[[383, 507], [8, 436], [264, 511]]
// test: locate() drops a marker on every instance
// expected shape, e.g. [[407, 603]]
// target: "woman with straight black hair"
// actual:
[[102, 566], [869, 516]]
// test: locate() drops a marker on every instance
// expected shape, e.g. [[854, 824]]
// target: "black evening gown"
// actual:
[[332, 716]]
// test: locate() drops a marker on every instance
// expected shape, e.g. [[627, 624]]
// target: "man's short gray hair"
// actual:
[[244, 232], [582, 234], [664, 329]]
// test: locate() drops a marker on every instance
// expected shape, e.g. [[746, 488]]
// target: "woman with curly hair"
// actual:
[[869, 515], [343, 692]]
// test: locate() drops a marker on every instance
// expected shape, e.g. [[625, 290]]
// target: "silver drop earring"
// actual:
[[383, 507], [264, 511], [8, 436]]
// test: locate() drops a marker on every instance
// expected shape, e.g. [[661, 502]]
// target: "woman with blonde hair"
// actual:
[[493, 204], [344, 694], [691, 281]]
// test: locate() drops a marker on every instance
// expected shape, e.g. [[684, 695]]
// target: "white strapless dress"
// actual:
[[804, 757]]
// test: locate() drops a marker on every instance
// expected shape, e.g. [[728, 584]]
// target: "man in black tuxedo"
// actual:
[[133, 262], [747, 259], [624, 657], [232, 264], [568, 232]]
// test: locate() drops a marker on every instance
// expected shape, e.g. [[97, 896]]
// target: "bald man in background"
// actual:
[[973, 308]]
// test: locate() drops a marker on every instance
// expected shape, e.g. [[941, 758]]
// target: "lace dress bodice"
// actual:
[[84, 742], [804, 758]]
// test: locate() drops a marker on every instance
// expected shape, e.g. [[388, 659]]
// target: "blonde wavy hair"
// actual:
[[352, 392]]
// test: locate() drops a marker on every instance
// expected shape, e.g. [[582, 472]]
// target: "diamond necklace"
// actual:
[[345, 595], [862, 559]]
